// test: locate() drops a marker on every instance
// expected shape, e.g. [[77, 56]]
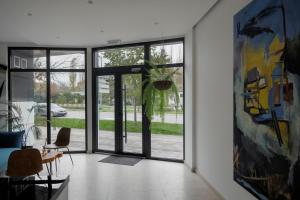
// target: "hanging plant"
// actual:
[[163, 84], [158, 87]]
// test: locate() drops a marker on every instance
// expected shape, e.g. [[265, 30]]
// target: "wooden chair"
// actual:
[[21, 165], [26, 163], [62, 141]]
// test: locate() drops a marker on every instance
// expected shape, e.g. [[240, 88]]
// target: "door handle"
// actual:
[[137, 69], [125, 112]]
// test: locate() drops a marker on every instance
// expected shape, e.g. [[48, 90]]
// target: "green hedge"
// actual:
[[108, 125]]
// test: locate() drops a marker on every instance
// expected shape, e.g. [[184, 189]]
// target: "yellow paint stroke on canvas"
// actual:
[[265, 62]]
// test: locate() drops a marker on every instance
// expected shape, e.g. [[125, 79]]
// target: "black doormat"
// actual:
[[120, 160]]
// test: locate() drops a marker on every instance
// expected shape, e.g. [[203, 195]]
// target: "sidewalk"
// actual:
[[164, 146]]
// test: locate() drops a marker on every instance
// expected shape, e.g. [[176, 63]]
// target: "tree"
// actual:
[[134, 56], [128, 57], [73, 75], [40, 77]]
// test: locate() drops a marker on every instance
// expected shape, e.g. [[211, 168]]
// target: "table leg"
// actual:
[[49, 187], [51, 168], [47, 168]]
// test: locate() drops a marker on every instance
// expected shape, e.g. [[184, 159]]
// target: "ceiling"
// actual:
[[94, 22]]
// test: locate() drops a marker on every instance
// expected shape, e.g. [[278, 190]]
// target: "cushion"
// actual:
[[4, 155], [11, 139]]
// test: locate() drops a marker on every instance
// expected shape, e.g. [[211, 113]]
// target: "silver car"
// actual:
[[56, 110]]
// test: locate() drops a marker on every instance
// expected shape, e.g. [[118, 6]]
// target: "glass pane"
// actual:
[[68, 106], [166, 53], [28, 59], [119, 57], [106, 112], [167, 128], [132, 113], [3, 97], [62, 59], [28, 94]]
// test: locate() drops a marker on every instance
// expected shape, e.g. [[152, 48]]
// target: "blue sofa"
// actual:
[[9, 142]]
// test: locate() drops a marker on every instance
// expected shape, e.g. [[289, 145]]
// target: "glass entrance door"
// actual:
[[132, 113], [106, 112], [119, 113]]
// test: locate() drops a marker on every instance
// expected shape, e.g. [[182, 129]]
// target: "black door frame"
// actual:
[[118, 110], [118, 71]]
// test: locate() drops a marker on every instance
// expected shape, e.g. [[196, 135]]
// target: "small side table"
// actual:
[[49, 157]]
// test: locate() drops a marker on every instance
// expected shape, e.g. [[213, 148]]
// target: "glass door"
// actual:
[[106, 112], [119, 113], [120, 124], [132, 113]]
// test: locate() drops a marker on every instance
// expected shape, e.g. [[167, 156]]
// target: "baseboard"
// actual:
[[89, 151], [193, 169], [208, 183]]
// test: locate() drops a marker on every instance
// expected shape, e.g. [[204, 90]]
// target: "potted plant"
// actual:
[[158, 86], [13, 116]]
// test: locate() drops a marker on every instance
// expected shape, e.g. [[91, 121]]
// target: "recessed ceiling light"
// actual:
[[90, 2], [29, 14]]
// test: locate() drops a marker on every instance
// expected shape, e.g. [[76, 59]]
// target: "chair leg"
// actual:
[[38, 175], [70, 155], [9, 192], [55, 166]]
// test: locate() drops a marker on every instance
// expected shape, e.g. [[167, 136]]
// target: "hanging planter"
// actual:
[[163, 84], [158, 87]]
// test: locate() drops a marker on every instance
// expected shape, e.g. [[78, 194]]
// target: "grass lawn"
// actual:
[[108, 125], [130, 109]]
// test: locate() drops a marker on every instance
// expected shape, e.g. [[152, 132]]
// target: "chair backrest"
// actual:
[[63, 137], [25, 162]]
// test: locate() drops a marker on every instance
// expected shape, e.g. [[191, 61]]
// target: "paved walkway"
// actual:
[[164, 146], [169, 118]]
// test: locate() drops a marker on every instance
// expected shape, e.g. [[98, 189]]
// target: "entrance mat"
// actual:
[[121, 160]]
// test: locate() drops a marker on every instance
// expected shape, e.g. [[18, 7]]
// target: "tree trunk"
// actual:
[[135, 111]]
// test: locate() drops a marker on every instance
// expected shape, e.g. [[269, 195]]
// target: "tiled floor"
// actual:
[[148, 180]]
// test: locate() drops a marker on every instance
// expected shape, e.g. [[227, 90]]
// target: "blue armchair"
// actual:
[[9, 142]]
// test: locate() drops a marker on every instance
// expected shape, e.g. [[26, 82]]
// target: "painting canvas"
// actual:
[[267, 99]]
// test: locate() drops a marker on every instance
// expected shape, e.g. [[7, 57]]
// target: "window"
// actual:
[[166, 53], [61, 59], [167, 128], [28, 59], [64, 80], [116, 57], [28, 97], [68, 106]]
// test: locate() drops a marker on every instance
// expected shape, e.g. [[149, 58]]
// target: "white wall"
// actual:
[[214, 99], [3, 54], [189, 100]]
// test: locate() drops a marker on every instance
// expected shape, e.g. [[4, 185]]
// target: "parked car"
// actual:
[[56, 110]]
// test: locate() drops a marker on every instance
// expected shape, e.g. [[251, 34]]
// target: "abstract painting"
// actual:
[[267, 99]]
